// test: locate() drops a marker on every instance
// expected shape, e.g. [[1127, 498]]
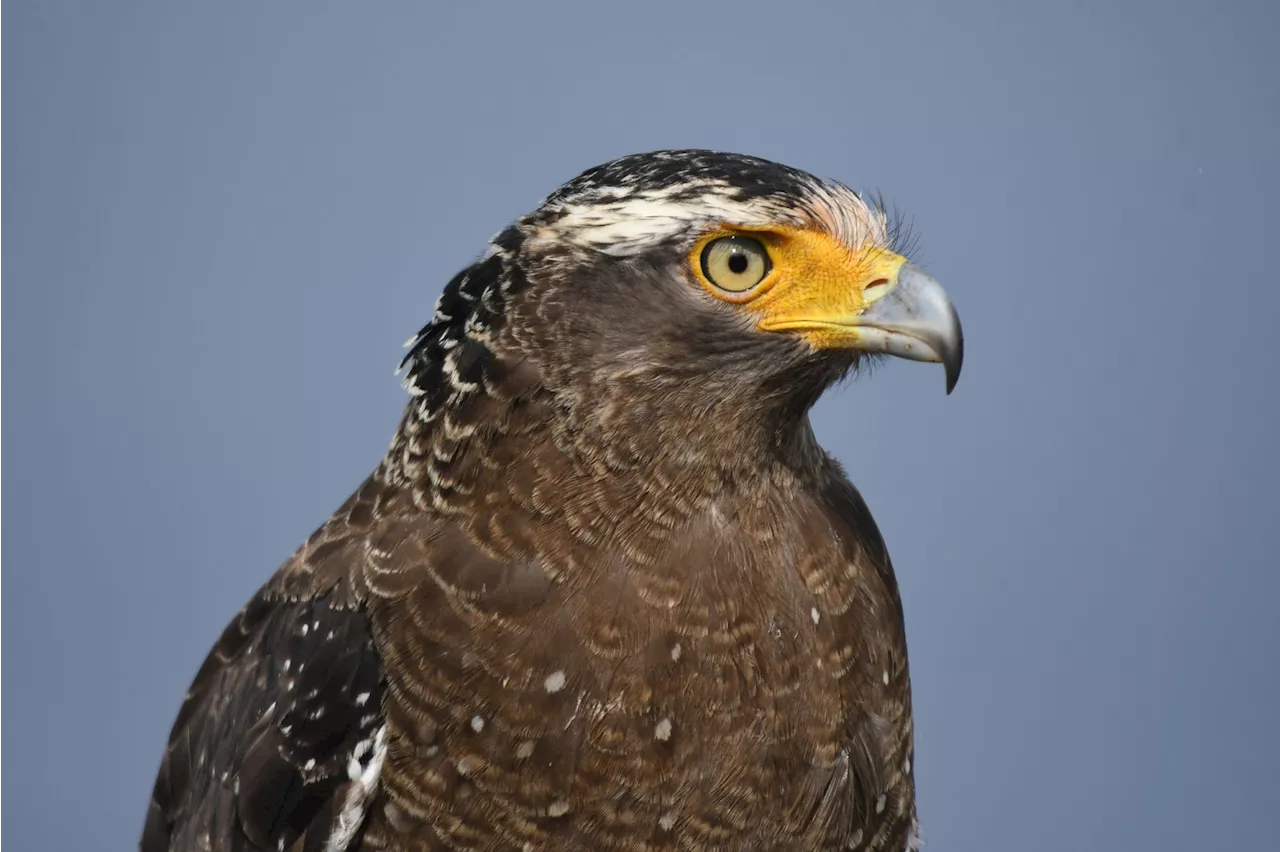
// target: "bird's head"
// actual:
[[689, 279]]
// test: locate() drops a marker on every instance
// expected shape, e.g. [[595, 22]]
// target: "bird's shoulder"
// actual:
[[278, 740]]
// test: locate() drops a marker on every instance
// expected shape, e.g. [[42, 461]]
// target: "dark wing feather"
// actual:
[[261, 752]]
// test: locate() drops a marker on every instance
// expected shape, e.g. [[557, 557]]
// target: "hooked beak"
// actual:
[[872, 301], [913, 320]]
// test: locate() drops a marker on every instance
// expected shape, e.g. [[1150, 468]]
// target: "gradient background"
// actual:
[[223, 219]]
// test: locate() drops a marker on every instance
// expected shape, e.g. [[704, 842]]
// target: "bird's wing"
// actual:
[[278, 741]]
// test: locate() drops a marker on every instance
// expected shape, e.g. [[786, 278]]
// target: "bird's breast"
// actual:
[[707, 687]]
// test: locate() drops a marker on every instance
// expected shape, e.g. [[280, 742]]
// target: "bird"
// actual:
[[605, 590]]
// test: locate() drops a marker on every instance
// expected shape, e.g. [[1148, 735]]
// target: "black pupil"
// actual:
[[738, 263]]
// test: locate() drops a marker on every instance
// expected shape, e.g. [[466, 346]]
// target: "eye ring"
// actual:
[[735, 264]]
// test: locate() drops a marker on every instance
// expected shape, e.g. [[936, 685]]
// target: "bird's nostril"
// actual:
[[876, 289]]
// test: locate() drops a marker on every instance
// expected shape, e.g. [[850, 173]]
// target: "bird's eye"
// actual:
[[735, 264]]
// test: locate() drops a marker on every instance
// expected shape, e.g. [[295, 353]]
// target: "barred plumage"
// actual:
[[605, 591]]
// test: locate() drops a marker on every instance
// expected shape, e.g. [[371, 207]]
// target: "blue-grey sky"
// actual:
[[222, 219]]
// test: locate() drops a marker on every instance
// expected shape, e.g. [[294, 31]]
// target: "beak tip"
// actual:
[[955, 360]]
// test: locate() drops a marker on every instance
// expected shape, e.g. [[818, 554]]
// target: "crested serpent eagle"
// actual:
[[605, 590]]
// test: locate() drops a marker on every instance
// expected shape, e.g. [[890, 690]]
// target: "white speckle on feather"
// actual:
[[913, 839], [554, 682], [558, 808], [885, 677], [365, 784], [306, 628], [525, 750], [663, 730], [667, 821], [362, 699], [309, 765], [815, 615], [880, 803], [477, 723], [676, 651]]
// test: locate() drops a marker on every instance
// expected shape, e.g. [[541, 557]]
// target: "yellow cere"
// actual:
[[813, 283]]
